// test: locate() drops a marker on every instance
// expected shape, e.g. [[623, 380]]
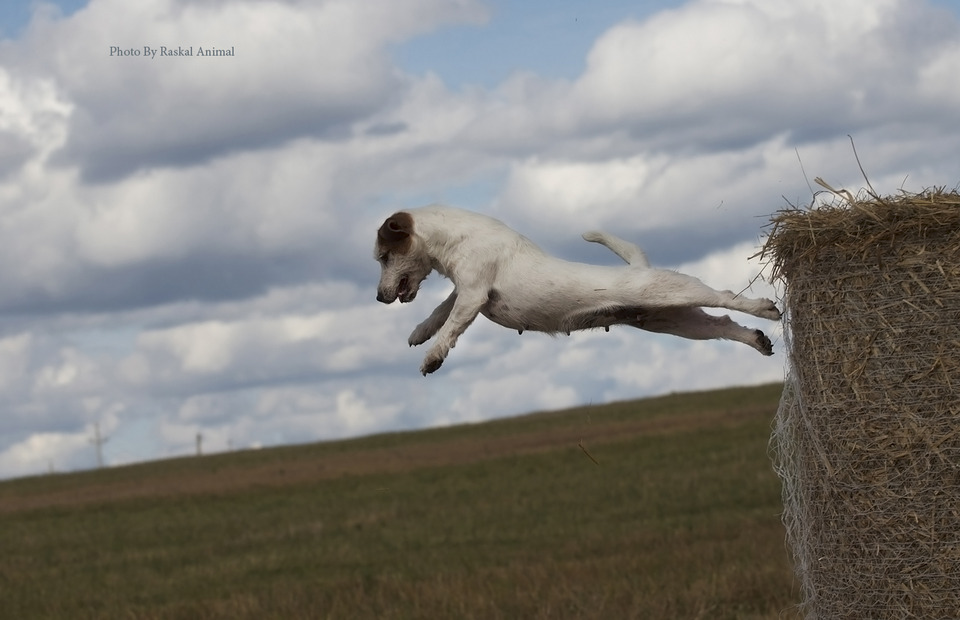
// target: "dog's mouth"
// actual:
[[405, 292]]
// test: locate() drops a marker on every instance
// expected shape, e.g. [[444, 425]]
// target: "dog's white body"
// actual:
[[503, 275]]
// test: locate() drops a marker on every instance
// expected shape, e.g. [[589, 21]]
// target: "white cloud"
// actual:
[[13, 360], [720, 71], [739, 268], [695, 365], [32, 120], [649, 192], [300, 69], [569, 188], [43, 452], [277, 414], [264, 350]]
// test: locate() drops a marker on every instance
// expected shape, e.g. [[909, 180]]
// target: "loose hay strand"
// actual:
[[867, 437], [590, 456]]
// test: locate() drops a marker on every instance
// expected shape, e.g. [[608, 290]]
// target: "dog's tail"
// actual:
[[629, 252]]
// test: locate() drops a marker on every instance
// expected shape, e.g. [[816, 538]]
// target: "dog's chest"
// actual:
[[521, 312], [499, 310]]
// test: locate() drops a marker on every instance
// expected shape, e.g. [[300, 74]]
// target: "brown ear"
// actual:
[[398, 227]]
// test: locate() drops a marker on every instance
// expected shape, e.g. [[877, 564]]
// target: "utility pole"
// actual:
[[199, 443], [98, 442]]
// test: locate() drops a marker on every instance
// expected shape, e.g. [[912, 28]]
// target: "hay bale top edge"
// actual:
[[859, 225]]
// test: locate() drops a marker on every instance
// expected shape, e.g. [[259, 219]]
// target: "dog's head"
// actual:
[[404, 262]]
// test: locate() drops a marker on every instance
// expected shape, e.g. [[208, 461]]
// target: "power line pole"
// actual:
[[98, 442]]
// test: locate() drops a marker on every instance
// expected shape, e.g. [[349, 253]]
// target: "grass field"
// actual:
[[678, 518]]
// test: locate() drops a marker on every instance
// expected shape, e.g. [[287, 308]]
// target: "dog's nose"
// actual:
[[381, 298]]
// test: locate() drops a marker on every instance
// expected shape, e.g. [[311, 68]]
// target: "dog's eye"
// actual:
[[383, 257]]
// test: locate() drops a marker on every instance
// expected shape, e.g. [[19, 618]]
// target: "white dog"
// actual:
[[503, 275]]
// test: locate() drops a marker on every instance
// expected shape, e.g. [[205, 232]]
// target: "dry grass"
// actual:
[[501, 520]]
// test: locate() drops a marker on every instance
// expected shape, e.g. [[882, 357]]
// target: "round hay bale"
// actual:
[[867, 437]]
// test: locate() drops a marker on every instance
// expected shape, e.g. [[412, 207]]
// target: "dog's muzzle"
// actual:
[[404, 293]]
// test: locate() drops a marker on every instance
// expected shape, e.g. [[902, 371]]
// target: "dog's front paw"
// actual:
[[419, 335], [430, 365]]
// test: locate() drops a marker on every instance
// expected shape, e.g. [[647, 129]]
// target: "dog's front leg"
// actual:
[[465, 309], [425, 330]]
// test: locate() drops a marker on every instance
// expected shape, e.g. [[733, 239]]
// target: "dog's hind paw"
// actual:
[[763, 343], [768, 310]]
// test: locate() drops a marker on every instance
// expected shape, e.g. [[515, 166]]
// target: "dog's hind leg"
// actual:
[[669, 289], [629, 252], [695, 324]]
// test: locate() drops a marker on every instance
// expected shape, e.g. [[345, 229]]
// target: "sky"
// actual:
[[186, 241]]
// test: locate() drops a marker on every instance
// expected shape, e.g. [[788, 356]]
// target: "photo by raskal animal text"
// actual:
[[501, 274]]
